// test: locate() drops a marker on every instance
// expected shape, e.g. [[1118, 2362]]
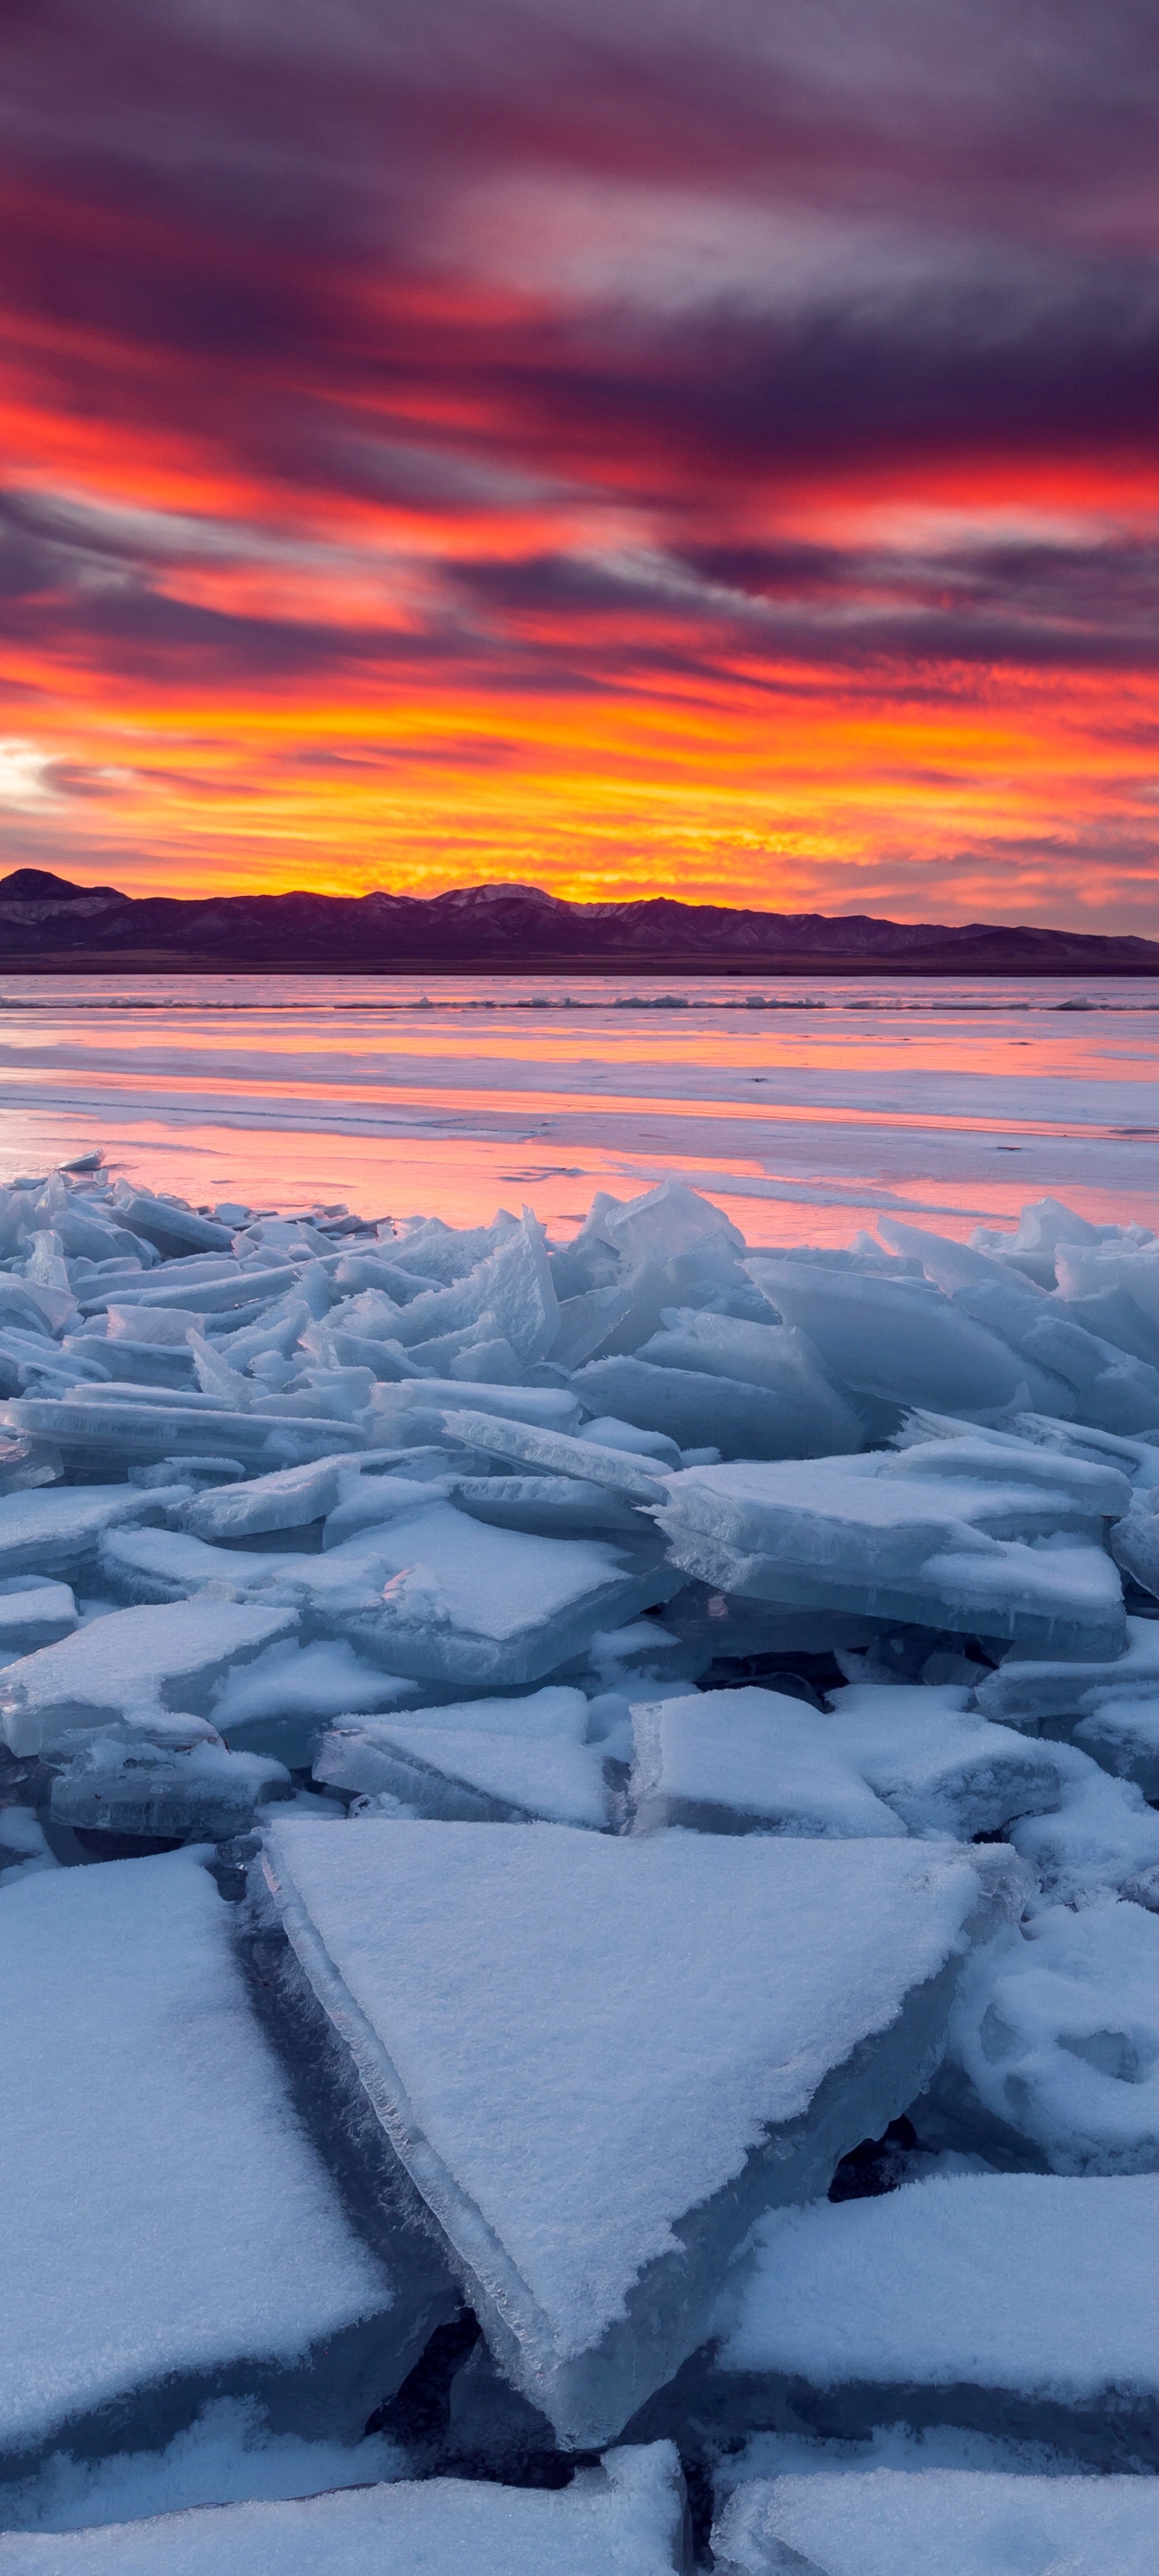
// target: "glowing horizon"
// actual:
[[701, 458]]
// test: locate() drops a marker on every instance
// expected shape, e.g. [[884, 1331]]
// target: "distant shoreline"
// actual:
[[796, 969]]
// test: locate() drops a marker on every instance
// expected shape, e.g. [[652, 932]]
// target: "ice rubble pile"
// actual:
[[580, 1894]]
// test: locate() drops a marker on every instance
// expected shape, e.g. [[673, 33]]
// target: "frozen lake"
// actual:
[[800, 1110]]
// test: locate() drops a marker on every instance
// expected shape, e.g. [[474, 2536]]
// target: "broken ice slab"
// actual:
[[934, 2522], [901, 1340], [1135, 1542], [55, 1529], [1100, 1382], [123, 1781], [1054, 2043], [470, 1775], [349, 1755], [628, 2513], [1024, 2305], [34, 1612], [170, 2235], [600, 2059], [556, 1451], [890, 1759], [940, 1767], [699, 1410], [125, 1425], [280, 1703], [546, 1506], [407, 1411], [432, 1593], [871, 1534], [1109, 1708], [664, 1222], [746, 1761], [130, 1661], [774, 1356], [289, 1499]]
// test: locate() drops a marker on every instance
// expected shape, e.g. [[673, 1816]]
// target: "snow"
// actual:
[[131, 1660], [155, 2175], [1056, 2030], [1102, 1836], [939, 2522], [1040, 2284], [574, 2042], [626, 2514]]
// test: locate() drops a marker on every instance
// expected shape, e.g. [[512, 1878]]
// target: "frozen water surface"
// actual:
[[675, 1612], [956, 1102]]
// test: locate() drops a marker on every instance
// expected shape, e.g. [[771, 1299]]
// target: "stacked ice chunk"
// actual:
[[957, 1534], [665, 1947]]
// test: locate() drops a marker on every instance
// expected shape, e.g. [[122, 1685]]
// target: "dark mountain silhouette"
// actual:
[[50, 925]]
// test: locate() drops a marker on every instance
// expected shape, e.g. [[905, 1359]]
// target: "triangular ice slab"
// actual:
[[602, 2059]]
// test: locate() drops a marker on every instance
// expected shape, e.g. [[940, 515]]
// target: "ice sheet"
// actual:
[[479, 1776], [1038, 2284], [155, 2176], [576, 2045], [129, 1661], [867, 1533]]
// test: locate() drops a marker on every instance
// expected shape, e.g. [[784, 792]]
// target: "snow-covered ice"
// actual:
[[1054, 2041], [1019, 2303], [627, 2514], [938, 2522], [577, 2049], [479, 1776], [888, 1759], [665, 1618], [131, 1662], [168, 2231]]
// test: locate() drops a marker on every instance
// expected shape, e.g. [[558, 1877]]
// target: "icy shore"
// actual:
[[579, 1892]]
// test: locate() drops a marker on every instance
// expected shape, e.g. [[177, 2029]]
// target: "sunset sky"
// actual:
[[704, 446]]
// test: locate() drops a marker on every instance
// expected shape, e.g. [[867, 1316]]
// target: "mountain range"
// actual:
[[48, 925]]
